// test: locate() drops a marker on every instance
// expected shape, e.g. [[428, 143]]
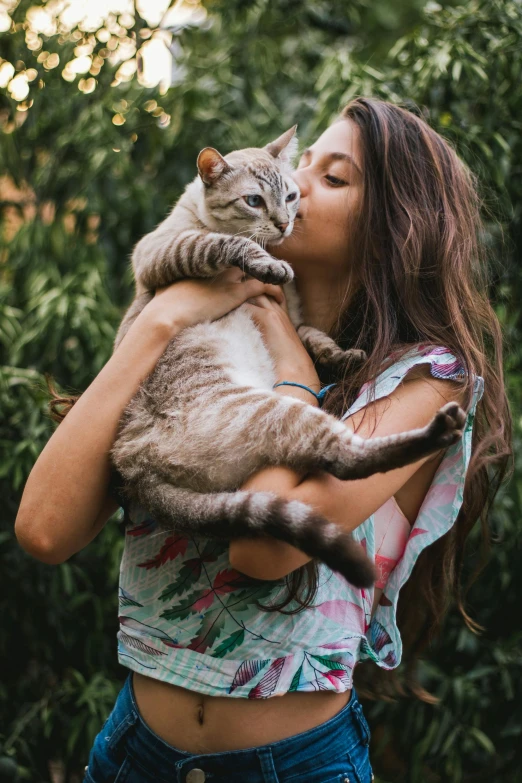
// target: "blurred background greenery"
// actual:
[[104, 106]]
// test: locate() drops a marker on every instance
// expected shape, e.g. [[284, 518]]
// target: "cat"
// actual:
[[206, 418]]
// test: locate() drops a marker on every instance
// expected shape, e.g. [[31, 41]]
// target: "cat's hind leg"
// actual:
[[358, 458], [228, 515], [303, 437], [264, 428]]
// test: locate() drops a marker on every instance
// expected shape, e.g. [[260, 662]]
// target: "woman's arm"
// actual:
[[65, 502], [347, 503]]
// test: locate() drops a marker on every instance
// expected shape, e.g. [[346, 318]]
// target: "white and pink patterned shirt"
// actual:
[[188, 618]]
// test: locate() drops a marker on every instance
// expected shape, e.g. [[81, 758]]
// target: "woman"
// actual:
[[387, 258]]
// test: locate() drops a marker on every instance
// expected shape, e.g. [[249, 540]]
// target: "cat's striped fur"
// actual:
[[207, 417]]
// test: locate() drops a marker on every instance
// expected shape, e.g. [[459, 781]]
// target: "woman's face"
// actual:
[[329, 175]]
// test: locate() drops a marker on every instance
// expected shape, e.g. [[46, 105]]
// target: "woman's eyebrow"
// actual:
[[337, 156]]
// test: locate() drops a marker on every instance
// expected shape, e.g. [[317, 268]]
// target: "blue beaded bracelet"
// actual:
[[319, 396]]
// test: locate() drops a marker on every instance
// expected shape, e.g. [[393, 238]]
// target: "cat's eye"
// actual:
[[254, 201], [291, 197]]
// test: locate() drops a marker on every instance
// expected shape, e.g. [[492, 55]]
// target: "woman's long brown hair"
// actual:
[[418, 257], [421, 271]]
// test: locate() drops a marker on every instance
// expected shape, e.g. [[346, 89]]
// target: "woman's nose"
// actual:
[[301, 179]]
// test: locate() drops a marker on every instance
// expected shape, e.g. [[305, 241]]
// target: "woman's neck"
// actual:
[[322, 298]]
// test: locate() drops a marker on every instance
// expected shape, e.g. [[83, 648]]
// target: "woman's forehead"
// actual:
[[341, 136]]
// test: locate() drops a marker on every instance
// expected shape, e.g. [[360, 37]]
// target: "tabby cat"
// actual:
[[206, 418]]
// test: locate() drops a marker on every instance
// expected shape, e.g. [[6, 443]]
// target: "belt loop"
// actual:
[[266, 761], [360, 720], [121, 730]]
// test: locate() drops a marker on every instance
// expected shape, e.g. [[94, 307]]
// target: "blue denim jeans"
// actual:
[[126, 750]]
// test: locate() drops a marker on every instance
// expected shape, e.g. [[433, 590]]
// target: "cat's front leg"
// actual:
[[325, 351], [160, 258]]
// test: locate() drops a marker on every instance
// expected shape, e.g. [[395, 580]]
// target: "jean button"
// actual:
[[196, 776]]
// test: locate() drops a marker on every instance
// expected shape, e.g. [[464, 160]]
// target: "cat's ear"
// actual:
[[285, 147], [211, 165]]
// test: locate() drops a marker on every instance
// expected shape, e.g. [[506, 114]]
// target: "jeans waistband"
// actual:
[[335, 736]]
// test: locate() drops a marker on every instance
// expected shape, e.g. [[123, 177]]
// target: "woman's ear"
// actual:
[[285, 147], [211, 165]]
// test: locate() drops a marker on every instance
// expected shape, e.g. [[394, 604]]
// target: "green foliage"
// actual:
[[93, 171]]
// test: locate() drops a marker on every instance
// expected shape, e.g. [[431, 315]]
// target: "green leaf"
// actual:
[[229, 644], [456, 70], [502, 142], [479, 71], [482, 739], [295, 679]]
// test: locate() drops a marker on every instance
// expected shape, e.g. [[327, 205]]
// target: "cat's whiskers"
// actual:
[[296, 230], [241, 231], [245, 250]]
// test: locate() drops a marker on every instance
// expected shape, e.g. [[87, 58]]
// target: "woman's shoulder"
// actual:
[[423, 376], [436, 365]]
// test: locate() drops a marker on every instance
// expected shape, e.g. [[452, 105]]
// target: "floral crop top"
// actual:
[[188, 618]]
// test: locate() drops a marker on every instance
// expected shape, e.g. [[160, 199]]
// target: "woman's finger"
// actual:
[[250, 285], [276, 292], [253, 287], [259, 314], [262, 300]]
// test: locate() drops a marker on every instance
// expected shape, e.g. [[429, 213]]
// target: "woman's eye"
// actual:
[[254, 201], [335, 180], [291, 197]]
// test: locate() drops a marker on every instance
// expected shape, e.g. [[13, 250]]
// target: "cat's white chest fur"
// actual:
[[240, 348]]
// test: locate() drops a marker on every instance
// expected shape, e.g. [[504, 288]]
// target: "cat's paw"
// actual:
[[334, 357], [355, 356], [350, 358], [447, 425], [269, 269]]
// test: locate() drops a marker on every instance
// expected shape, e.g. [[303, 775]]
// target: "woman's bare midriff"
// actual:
[[196, 723]]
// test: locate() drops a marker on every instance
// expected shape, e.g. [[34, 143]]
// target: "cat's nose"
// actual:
[[282, 227]]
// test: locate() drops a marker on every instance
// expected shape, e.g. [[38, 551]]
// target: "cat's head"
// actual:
[[251, 192]]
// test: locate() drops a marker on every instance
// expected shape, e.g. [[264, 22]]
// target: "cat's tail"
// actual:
[[241, 514]]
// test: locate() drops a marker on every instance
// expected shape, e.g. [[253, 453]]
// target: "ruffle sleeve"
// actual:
[[439, 510]]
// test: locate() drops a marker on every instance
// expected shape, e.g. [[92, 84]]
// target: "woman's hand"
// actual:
[[292, 361], [188, 302]]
